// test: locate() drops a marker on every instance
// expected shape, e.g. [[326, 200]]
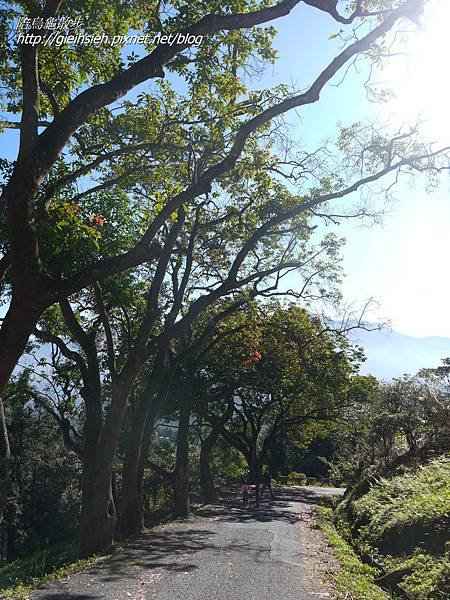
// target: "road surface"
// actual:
[[226, 554]]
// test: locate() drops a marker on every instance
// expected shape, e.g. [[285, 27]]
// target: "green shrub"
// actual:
[[354, 578], [399, 514], [429, 578], [296, 478], [37, 565], [405, 520]]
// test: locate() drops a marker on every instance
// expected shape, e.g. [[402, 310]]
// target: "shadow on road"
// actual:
[[170, 550], [174, 548], [166, 550], [279, 509]]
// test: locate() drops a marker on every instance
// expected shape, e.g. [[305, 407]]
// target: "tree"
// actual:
[[191, 319], [282, 371], [67, 133], [392, 423], [436, 405], [177, 380], [109, 368], [45, 479]]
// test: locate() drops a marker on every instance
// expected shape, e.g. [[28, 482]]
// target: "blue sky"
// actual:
[[403, 262]]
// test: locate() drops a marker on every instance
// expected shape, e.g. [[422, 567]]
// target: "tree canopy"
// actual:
[[154, 196]]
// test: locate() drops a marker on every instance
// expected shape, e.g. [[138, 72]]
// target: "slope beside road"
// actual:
[[226, 554]]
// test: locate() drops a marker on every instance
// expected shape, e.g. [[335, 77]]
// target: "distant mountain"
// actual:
[[391, 354]]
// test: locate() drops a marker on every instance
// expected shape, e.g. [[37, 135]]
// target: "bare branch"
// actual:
[[72, 355], [17, 125]]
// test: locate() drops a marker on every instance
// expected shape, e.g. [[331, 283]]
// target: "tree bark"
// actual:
[[20, 322], [209, 494], [255, 467], [98, 513], [180, 482], [180, 486], [131, 517], [4, 460], [132, 513], [138, 445]]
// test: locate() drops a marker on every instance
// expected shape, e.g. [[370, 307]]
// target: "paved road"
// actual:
[[229, 554]]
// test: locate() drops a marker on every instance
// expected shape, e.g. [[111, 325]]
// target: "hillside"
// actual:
[[402, 522]]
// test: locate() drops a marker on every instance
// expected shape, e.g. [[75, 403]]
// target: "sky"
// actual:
[[401, 263]]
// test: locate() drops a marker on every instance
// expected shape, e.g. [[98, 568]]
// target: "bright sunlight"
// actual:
[[421, 81]]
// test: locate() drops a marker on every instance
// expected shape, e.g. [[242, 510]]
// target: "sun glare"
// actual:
[[421, 79]]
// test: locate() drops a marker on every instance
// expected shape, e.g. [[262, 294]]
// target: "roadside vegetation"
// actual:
[[17, 578], [403, 523], [354, 578], [396, 513]]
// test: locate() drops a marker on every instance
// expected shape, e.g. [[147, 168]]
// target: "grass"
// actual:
[[419, 499], [429, 576], [404, 521], [18, 578], [354, 579]]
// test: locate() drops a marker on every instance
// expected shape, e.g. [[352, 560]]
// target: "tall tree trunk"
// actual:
[[255, 467], [132, 513], [98, 513], [98, 510], [138, 445], [131, 516], [180, 481], [209, 494], [180, 486], [4, 460]]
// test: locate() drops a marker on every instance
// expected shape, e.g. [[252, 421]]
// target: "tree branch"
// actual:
[[83, 170], [107, 328], [330, 7], [30, 101], [70, 354], [80, 335], [136, 358], [18, 125], [55, 137], [139, 253], [63, 423], [4, 265]]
